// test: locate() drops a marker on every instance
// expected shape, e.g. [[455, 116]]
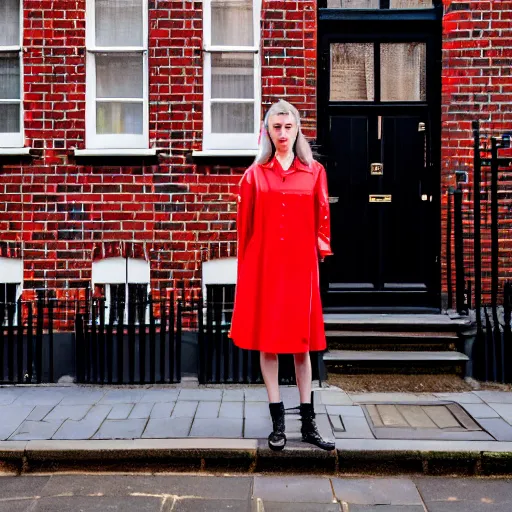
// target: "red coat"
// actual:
[[283, 229]]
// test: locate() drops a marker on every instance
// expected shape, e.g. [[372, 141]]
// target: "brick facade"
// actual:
[[60, 214], [477, 84]]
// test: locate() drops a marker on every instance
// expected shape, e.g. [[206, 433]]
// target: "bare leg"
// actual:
[[269, 368], [303, 375]]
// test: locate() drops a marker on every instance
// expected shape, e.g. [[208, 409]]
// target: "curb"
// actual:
[[253, 456]]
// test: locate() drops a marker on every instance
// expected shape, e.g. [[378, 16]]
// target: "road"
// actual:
[[254, 493]]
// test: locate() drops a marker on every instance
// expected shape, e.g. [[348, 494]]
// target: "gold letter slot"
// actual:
[[380, 198]]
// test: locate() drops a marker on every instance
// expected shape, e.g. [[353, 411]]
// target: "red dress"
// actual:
[[283, 229]]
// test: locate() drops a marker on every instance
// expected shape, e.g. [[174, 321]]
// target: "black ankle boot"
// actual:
[[309, 430], [277, 438]]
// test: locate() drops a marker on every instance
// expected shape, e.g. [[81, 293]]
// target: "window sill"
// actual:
[[15, 151], [115, 152], [225, 153]]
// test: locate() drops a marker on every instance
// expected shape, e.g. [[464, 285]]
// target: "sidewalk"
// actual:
[[225, 427]]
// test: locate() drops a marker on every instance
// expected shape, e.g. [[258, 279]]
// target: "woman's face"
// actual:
[[282, 129]]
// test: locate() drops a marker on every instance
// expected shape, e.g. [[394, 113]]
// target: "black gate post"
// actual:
[[459, 251]]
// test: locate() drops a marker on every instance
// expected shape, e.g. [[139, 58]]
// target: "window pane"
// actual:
[[232, 75], [232, 23], [9, 118], [233, 117], [119, 76], [353, 4], [352, 74], [411, 4], [9, 22], [119, 23], [9, 76], [119, 118], [403, 71]]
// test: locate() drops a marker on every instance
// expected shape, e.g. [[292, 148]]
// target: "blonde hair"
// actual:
[[266, 148]]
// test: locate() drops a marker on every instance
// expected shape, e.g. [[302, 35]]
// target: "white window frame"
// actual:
[[121, 270], [113, 141], [11, 272], [230, 141], [15, 139]]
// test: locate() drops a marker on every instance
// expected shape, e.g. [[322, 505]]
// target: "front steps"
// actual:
[[395, 343]]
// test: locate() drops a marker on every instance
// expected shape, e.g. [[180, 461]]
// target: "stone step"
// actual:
[[385, 335], [394, 356]]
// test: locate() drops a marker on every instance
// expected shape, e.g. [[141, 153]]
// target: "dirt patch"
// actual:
[[397, 383]]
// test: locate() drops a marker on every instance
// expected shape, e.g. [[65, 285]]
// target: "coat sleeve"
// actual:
[[322, 215], [245, 210]]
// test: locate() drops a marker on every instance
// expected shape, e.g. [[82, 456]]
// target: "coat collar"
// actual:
[[297, 165]]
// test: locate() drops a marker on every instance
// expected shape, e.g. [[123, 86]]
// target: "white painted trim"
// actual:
[[218, 271], [230, 141], [114, 141], [115, 152], [16, 139], [11, 270], [14, 150], [225, 152]]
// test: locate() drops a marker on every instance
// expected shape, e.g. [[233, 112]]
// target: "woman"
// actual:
[[283, 229]]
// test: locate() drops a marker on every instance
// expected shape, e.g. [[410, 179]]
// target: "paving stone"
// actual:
[[256, 395], [461, 398], [162, 410], [391, 416], [208, 410], [39, 412], [480, 411], [121, 429], [290, 489], [184, 409], [12, 418], [270, 506], [141, 411], [376, 491], [503, 397], [432, 434], [85, 428], [160, 395], [355, 411], [209, 505], [498, 428], [99, 503], [200, 395], [337, 422], [257, 428], [122, 396], [334, 398], [355, 428], [83, 396], [324, 427], [9, 395], [167, 428], [387, 397], [120, 411], [442, 417], [386, 508], [40, 396], [233, 395], [36, 430], [256, 410], [64, 412], [290, 396], [217, 427], [416, 416], [231, 410], [504, 410]]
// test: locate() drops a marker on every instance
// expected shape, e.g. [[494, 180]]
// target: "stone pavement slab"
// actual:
[[12, 418], [231, 410], [9, 395], [481, 411], [29, 430], [332, 397], [120, 411], [289, 489], [504, 410], [162, 410], [200, 395], [41, 396], [461, 398], [184, 409], [256, 410], [217, 427], [355, 411], [255, 395], [233, 395], [208, 505], [85, 428], [257, 428], [64, 412], [208, 410], [160, 395], [83, 396], [142, 410], [167, 428], [498, 428], [270, 506], [503, 397], [355, 428], [121, 429], [376, 491], [97, 504], [39, 412], [122, 396], [386, 508]]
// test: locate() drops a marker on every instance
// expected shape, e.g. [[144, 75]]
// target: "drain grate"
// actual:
[[443, 421]]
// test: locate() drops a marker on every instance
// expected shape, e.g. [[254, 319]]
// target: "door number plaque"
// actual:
[[377, 169], [380, 198]]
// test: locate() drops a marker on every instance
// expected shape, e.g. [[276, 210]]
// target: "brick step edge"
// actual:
[[353, 456]]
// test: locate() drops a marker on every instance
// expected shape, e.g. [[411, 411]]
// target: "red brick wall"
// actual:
[[477, 84], [180, 211]]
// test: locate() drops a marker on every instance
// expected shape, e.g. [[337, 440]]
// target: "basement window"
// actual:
[[11, 277]]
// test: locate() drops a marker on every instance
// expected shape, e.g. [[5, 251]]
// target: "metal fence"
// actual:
[[26, 341]]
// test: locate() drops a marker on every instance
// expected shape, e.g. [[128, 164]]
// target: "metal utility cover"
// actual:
[[437, 420]]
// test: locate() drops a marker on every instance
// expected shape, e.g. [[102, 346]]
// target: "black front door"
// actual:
[[378, 114]]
